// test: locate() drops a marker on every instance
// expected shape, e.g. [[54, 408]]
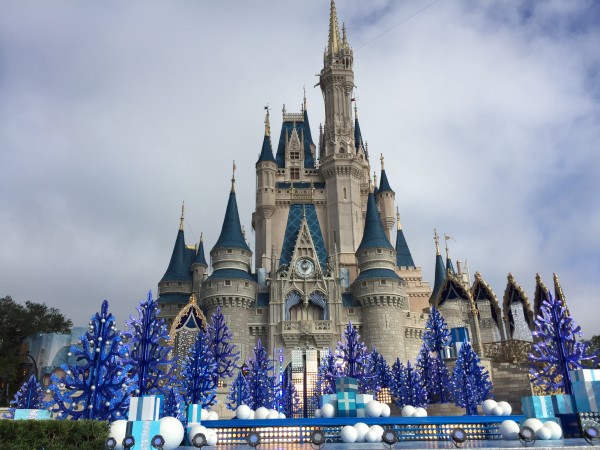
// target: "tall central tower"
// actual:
[[345, 169]]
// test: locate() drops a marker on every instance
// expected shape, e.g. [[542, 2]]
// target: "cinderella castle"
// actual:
[[329, 249]]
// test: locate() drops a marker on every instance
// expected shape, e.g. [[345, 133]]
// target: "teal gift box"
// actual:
[[361, 403], [346, 404], [32, 414], [538, 406], [194, 413], [346, 384], [328, 399], [585, 375], [563, 404], [142, 431], [147, 407], [587, 395]]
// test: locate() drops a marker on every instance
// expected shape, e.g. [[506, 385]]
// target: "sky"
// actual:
[[112, 113]]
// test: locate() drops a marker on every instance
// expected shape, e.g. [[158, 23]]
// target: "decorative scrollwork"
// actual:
[[512, 351]]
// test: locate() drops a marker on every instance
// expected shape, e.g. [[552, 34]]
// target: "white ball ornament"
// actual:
[[385, 410], [534, 424], [361, 431], [282, 415], [372, 436], [378, 429], [261, 413], [90, 406], [211, 439], [328, 411], [69, 354], [420, 412], [509, 429], [544, 434], [172, 431], [99, 338], [408, 411], [506, 408], [318, 413], [197, 428], [98, 350], [487, 406], [348, 434], [102, 320], [497, 411], [242, 412], [117, 430], [203, 414], [272, 414], [555, 429], [107, 404], [212, 415], [373, 409]]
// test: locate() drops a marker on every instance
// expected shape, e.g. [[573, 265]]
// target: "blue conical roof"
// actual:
[[231, 232], [440, 276], [384, 184], [179, 266], [266, 153], [374, 235], [403, 256], [450, 266], [200, 259], [358, 140]]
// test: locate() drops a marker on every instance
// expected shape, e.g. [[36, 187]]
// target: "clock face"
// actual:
[[305, 267]]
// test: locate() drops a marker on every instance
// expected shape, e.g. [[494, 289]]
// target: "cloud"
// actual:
[[111, 116]]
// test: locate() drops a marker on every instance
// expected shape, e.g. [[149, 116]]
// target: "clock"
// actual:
[[305, 267]]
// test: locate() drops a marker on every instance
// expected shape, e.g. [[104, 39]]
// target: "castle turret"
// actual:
[[386, 198], [449, 265], [440, 270], [379, 290], [199, 267], [231, 285]]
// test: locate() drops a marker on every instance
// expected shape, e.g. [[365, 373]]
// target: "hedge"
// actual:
[[53, 434]]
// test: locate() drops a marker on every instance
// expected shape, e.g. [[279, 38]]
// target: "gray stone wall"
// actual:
[[383, 328], [511, 382]]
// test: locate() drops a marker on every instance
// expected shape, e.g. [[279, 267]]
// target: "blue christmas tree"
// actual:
[[380, 373], [471, 382], [398, 384], [353, 357], [432, 370], [197, 373], [224, 353], [290, 401], [326, 374], [148, 356], [555, 349], [414, 391], [29, 396], [100, 388], [437, 337], [260, 379], [238, 392], [174, 403]]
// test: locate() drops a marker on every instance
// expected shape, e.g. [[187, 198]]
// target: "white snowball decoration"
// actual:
[[281, 415], [272, 414], [506, 408], [348, 434], [554, 428], [544, 434], [117, 431], [373, 409], [487, 406], [378, 429], [211, 439], [497, 411], [408, 411], [204, 414], [318, 413], [261, 413], [328, 411], [420, 412], [534, 424], [252, 413], [372, 436], [361, 431], [385, 410], [242, 412], [197, 428], [509, 429], [212, 415], [172, 431]]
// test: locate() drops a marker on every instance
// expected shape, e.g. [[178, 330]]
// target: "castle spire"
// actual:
[[181, 219], [200, 259], [384, 185], [233, 179], [178, 269], [403, 255], [333, 45], [440, 270], [231, 232], [344, 39], [436, 238], [374, 235], [266, 152], [449, 265]]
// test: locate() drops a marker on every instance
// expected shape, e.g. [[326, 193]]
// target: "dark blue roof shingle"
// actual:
[[231, 232], [292, 229], [373, 236]]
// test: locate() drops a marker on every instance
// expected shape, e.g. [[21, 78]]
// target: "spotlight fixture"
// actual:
[[317, 439], [389, 438], [128, 442], [526, 436], [199, 440], [158, 442], [111, 443], [253, 439], [591, 434], [459, 437]]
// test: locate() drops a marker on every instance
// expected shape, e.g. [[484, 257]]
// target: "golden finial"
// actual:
[[355, 109], [399, 225], [447, 238], [233, 178], [436, 238], [267, 122], [344, 40], [381, 159], [304, 102], [375, 179], [201, 237], [333, 46], [181, 220], [283, 109]]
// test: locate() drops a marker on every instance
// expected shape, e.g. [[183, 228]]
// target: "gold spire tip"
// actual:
[[436, 238], [446, 238], [398, 224], [182, 212], [333, 46], [304, 102], [233, 178], [381, 159], [267, 122]]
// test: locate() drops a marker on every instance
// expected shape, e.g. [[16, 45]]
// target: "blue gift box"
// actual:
[[346, 404], [587, 395], [361, 402], [328, 399], [147, 407], [142, 431], [194, 413], [459, 334], [538, 406], [585, 375], [563, 404], [32, 414], [346, 384]]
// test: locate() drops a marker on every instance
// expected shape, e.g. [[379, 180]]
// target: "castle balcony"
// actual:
[[293, 332]]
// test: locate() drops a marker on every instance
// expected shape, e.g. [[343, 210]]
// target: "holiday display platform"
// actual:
[[436, 428]]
